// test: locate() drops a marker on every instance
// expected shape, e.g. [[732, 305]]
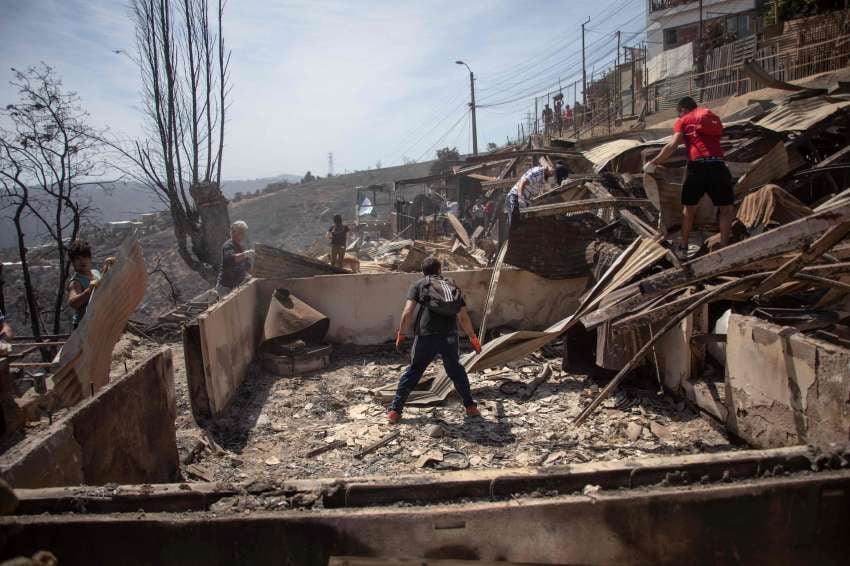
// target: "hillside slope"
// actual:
[[292, 217]]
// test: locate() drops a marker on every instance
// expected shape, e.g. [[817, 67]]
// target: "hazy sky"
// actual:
[[368, 81]]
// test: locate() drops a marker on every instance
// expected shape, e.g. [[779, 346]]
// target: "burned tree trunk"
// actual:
[[214, 222], [185, 93], [29, 290]]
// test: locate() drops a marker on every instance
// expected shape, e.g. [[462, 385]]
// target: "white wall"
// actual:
[[365, 308], [684, 15]]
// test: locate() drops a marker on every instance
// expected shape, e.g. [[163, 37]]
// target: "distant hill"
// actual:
[[123, 201], [295, 216], [119, 201], [230, 188]]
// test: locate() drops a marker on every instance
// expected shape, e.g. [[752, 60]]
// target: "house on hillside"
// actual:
[[674, 23]]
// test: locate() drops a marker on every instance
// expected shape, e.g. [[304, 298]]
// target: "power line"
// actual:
[[440, 139], [530, 91], [433, 128], [537, 61]]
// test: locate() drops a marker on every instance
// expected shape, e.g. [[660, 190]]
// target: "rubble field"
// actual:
[[278, 425]]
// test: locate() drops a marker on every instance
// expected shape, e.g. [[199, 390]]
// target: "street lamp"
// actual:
[[472, 107]]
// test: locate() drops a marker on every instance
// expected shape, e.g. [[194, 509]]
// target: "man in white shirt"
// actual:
[[530, 185]]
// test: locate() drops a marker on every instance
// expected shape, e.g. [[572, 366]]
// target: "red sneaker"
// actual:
[[393, 416], [472, 411]]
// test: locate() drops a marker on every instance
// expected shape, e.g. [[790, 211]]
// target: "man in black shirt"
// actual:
[[235, 260], [434, 334]]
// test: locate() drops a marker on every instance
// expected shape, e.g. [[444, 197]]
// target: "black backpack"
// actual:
[[441, 296]]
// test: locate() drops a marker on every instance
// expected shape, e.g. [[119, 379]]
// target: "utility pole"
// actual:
[[472, 107], [535, 116], [330, 164], [633, 90], [700, 44], [583, 68], [617, 101]]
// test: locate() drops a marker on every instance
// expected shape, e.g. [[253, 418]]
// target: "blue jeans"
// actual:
[[425, 349], [512, 206]]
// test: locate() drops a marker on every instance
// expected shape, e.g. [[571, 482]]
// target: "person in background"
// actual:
[[489, 214], [700, 130], [559, 113], [562, 172], [435, 333], [338, 237], [478, 213], [85, 279], [547, 120], [235, 259], [6, 334], [568, 117]]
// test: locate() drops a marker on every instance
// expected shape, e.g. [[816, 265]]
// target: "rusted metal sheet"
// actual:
[[531, 245], [768, 206], [801, 115], [771, 166], [275, 263]]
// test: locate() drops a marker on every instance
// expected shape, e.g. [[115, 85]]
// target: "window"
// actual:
[[671, 37]]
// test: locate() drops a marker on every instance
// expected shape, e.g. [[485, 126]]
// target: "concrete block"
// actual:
[[785, 388], [708, 397], [127, 434], [51, 458], [124, 434]]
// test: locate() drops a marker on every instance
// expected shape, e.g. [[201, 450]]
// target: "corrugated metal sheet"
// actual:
[[800, 115], [555, 247], [770, 204], [603, 153]]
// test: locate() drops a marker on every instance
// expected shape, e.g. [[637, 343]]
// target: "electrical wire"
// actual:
[[537, 87], [441, 138], [537, 61]]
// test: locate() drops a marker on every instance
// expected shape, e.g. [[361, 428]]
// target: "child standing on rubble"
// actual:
[[338, 237], [441, 309], [85, 279]]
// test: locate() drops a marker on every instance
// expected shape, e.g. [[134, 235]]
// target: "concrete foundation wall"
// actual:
[[777, 521], [784, 388], [124, 434], [365, 309], [230, 332]]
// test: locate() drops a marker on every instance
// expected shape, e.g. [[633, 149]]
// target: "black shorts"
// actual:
[[708, 177]]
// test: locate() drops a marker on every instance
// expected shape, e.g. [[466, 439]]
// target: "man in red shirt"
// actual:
[[700, 130]]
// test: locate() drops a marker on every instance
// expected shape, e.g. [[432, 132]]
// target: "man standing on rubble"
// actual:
[[441, 309], [235, 259], [700, 130], [559, 113], [547, 121]]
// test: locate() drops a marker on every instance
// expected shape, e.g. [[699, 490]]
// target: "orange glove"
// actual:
[[399, 338], [476, 345]]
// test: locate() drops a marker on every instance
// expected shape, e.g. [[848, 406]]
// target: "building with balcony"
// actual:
[[672, 23]]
